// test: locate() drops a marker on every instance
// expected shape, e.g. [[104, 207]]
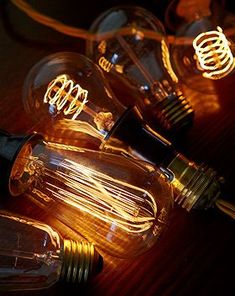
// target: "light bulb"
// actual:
[[113, 127], [136, 62], [67, 97], [116, 203], [35, 256], [203, 50]]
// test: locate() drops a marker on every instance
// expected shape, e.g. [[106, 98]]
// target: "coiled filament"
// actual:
[[63, 93], [105, 64], [213, 54]]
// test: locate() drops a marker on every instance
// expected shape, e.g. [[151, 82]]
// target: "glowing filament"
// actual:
[[66, 95], [102, 46], [71, 98], [131, 208], [213, 54], [166, 61], [105, 64]]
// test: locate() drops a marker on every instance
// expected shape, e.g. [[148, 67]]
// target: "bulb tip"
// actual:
[[80, 261], [174, 113]]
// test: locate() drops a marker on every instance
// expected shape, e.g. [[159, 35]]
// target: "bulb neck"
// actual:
[[134, 137], [173, 113], [196, 186], [80, 261], [10, 147]]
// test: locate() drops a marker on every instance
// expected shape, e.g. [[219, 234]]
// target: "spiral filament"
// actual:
[[63, 93], [71, 98], [213, 54], [105, 64], [97, 194]]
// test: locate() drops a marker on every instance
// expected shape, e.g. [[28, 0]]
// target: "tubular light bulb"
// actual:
[[114, 202], [138, 66], [203, 51], [108, 124], [34, 256]]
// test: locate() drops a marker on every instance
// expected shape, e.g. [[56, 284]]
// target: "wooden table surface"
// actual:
[[197, 254]]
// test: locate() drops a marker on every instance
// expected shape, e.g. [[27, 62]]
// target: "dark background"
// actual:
[[197, 254]]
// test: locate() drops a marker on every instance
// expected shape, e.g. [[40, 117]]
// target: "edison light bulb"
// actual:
[[114, 202], [67, 94], [136, 62], [67, 98], [34, 256], [203, 51]]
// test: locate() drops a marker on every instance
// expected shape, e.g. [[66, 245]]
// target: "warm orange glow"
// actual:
[[54, 236], [65, 95], [105, 64], [102, 46], [191, 10], [71, 98], [166, 61], [66, 125], [209, 105], [213, 54], [110, 200]]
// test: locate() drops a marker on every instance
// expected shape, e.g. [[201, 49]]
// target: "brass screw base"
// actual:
[[174, 113], [80, 261], [195, 186]]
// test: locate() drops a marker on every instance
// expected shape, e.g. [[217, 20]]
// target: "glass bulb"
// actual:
[[203, 50], [116, 203], [105, 124], [65, 92], [34, 256], [136, 62]]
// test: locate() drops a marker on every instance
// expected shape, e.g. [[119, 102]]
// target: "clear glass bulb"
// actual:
[[35, 256], [116, 203], [203, 50], [136, 62], [69, 98]]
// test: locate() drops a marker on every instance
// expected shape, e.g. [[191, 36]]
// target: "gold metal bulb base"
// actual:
[[195, 186], [80, 261], [174, 113]]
